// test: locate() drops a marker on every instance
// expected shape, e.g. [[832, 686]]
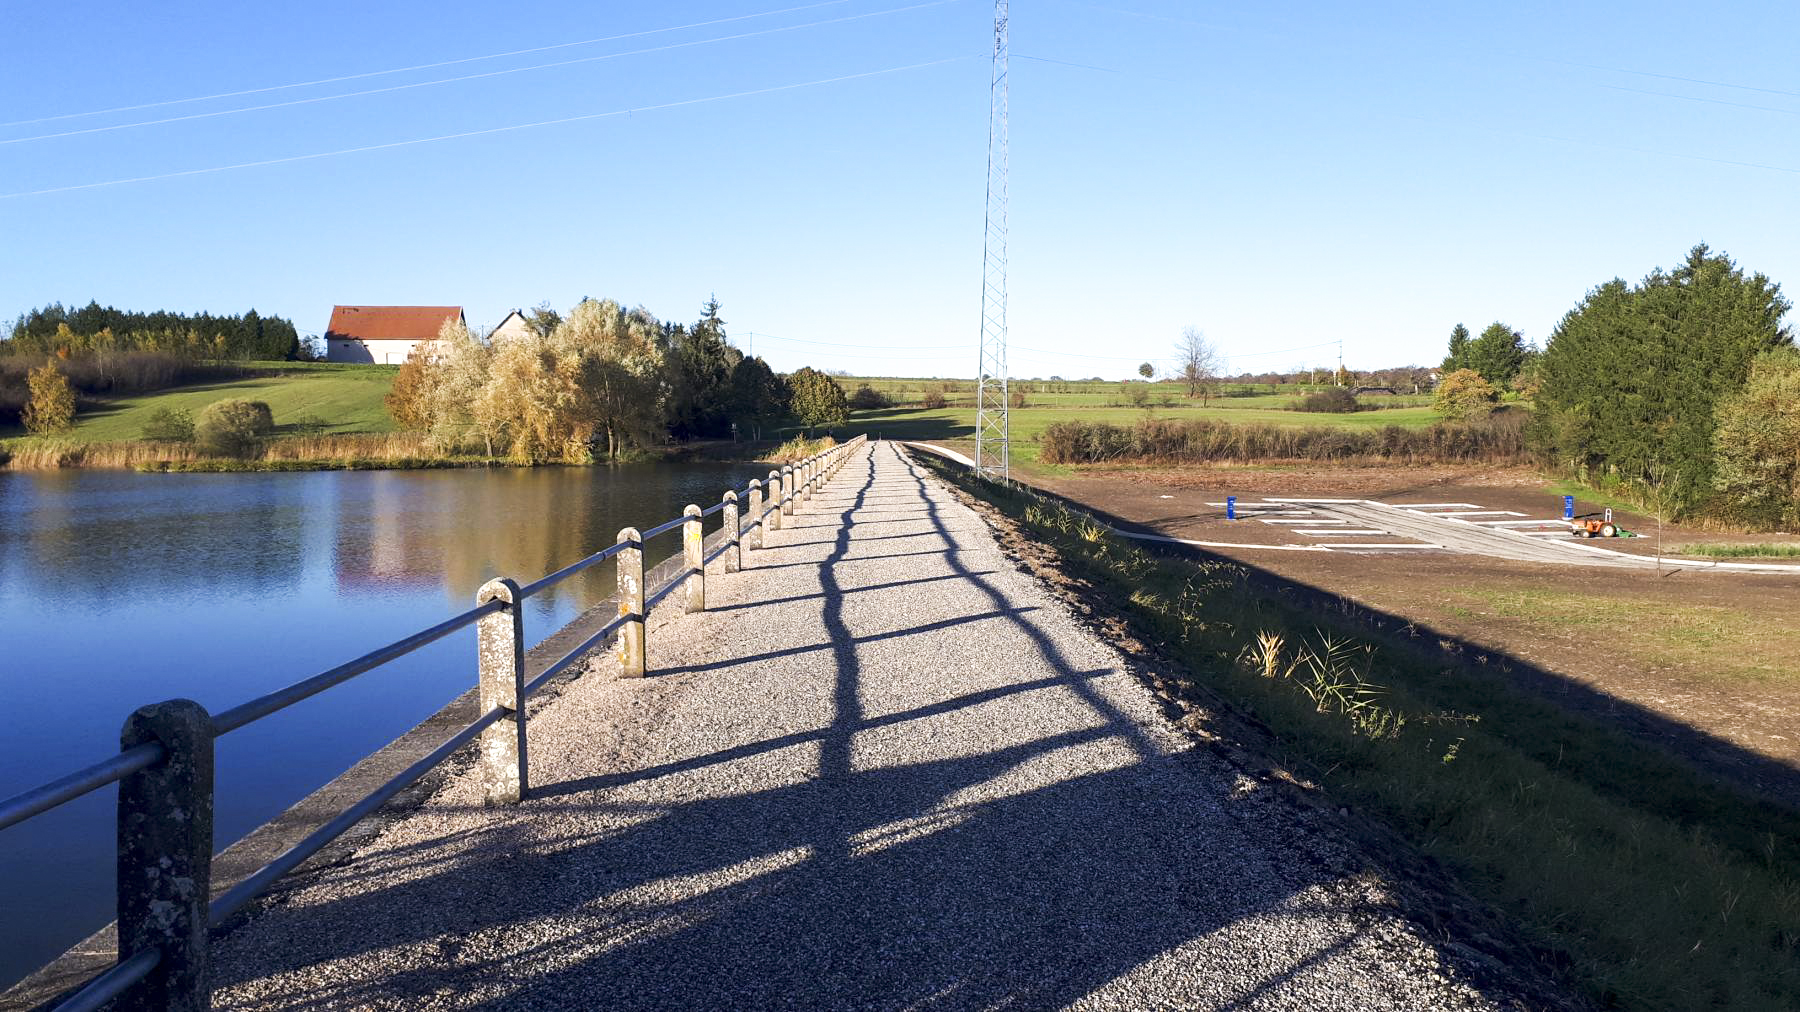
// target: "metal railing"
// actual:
[[164, 768]]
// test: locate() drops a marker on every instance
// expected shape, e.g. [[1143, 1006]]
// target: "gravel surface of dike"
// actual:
[[886, 769]]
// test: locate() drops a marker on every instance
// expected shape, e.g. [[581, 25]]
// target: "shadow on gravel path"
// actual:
[[992, 813]]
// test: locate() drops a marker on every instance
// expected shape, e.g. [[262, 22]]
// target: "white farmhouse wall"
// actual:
[[370, 352]]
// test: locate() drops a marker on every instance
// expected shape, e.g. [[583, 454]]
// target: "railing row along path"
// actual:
[[164, 768]]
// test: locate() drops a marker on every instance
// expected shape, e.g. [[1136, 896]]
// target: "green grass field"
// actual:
[[955, 423], [347, 398]]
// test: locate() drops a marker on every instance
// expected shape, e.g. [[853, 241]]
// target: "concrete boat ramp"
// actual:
[[884, 769]]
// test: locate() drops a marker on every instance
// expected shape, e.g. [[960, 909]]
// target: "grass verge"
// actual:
[[1726, 551], [1641, 882]]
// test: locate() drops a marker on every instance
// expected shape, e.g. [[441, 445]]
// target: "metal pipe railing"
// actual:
[[165, 764]]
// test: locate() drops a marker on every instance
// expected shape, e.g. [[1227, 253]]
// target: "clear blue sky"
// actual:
[[1279, 175]]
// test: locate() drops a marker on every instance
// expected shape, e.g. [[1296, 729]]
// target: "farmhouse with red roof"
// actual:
[[384, 335]]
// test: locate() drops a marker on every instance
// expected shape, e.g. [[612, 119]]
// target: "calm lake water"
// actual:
[[119, 589]]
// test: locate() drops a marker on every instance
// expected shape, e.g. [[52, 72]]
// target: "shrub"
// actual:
[[407, 400], [233, 427], [1333, 399], [1015, 398], [169, 425], [867, 398], [1201, 440], [1463, 396], [308, 424], [934, 400], [52, 404]]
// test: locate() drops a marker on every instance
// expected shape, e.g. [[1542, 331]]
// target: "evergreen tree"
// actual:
[[1632, 376], [1459, 350], [758, 396], [817, 399], [1497, 354]]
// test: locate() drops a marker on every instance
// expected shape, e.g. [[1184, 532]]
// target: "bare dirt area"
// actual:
[[1707, 661]]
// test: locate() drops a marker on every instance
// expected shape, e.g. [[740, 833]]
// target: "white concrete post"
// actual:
[[631, 604], [788, 489], [734, 533], [752, 510], [500, 659], [693, 550], [774, 521]]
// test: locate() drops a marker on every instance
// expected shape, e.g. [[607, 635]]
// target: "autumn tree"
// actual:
[[51, 408], [1464, 396], [1757, 441], [406, 398]]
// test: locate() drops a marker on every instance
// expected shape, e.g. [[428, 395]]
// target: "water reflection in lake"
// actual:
[[119, 589]]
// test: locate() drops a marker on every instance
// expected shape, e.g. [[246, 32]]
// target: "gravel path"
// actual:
[[886, 770]]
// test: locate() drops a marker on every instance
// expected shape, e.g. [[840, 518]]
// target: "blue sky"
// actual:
[[1280, 175]]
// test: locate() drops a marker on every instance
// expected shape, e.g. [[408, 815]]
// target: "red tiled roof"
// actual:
[[389, 323]]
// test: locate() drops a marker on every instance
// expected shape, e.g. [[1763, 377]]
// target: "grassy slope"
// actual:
[[347, 397], [1640, 879]]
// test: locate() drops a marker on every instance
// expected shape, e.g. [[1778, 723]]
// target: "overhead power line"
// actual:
[[470, 77], [424, 66], [482, 133]]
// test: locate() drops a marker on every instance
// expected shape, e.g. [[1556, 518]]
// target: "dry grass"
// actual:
[[409, 449]]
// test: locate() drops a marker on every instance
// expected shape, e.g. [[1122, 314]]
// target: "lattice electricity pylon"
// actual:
[[992, 431]]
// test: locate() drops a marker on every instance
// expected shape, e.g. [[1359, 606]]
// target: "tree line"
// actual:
[[598, 383], [1682, 389], [96, 329]]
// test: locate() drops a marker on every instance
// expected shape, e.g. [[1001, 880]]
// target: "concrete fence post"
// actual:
[[631, 603], [788, 475], [693, 550], [734, 532], [165, 856], [752, 510], [774, 521], [500, 656]]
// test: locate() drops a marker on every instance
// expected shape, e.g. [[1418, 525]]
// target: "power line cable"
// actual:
[[471, 77], [481, 133], [1696, 98], [424, 66]]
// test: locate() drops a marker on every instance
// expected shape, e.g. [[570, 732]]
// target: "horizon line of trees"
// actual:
[[56, 330]]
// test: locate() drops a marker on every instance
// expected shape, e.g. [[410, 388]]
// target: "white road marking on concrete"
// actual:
[[1306, 521], [1419, 505], [1339, 547], [1479, 513], [1217, 544], [1341, 533], [1525, 523]]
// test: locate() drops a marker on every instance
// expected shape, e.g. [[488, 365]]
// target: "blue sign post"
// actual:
[[1568, 507], [1231, 507]]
